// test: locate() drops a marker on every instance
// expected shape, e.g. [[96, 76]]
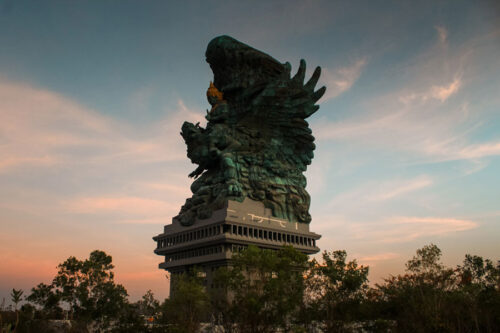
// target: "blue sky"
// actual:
[[93, 95]]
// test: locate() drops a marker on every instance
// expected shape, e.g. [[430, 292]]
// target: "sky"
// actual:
[[93, 95]]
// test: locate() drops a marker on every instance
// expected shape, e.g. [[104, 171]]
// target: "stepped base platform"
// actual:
[[210, 243]]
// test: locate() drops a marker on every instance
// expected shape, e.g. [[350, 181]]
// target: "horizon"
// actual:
[[93, 96]]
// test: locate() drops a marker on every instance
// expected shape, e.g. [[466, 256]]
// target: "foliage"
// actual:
[[148, 305], [87, 287], [335, 290], [130, 320], [426, 261], [268, 291], [48, 301], [265, 288], [134, 316], [433, 298], [16, 297], [419, 295], [477, 298], [188, 304]]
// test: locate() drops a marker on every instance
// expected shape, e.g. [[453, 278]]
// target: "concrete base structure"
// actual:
[[210, 243]]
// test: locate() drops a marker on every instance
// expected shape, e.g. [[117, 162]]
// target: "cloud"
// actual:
[[117, 172], [125, 210], [168, 187], [13, 161], [125, 205], [437, 92], [475, 151], [41, 128], [376, 192], [379, 257], [442, 34], [65, 165], [426, 132], [407, 228], [352, 228], [442, 93], [392, 190], [68, 170], [454, 149], [140, 100], [37, 123], [341, 79], [430, 112]]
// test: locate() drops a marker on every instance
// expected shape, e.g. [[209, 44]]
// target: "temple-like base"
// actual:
[[210, 243]]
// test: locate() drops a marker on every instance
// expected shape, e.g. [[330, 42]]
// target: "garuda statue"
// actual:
[[257, 143]]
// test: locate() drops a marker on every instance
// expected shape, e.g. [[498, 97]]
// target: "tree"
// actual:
[[16, 298], [433, 298], [419, 300], [148, 305], [264, 288], [87, 287], [426, 262], [335, 290], [187, 304], [47, 300], [477, 298], [480, 272], [130, 321]]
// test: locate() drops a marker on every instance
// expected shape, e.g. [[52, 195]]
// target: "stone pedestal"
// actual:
[[210, 243]]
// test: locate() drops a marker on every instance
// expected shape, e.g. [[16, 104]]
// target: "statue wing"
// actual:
[[263, 94], [285, 104]]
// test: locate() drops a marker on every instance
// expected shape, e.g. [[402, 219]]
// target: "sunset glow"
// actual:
[[93, 96]]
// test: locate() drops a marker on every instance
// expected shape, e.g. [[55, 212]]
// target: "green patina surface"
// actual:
[[257, 143]]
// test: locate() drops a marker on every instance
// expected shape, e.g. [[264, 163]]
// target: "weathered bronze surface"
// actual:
[[257, 143]]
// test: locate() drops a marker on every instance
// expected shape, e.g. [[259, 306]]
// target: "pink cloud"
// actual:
[[180, 190], [127, 210], [479, 150], [341, 79], [379, 257], [12, 161], [395, 189], [127, 204], [42, 128], [376, 192], [392, 230], [442, 33], [402, 228], [442, 93], [428, 117], [36, 122], [74, 165], [428, 133]]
